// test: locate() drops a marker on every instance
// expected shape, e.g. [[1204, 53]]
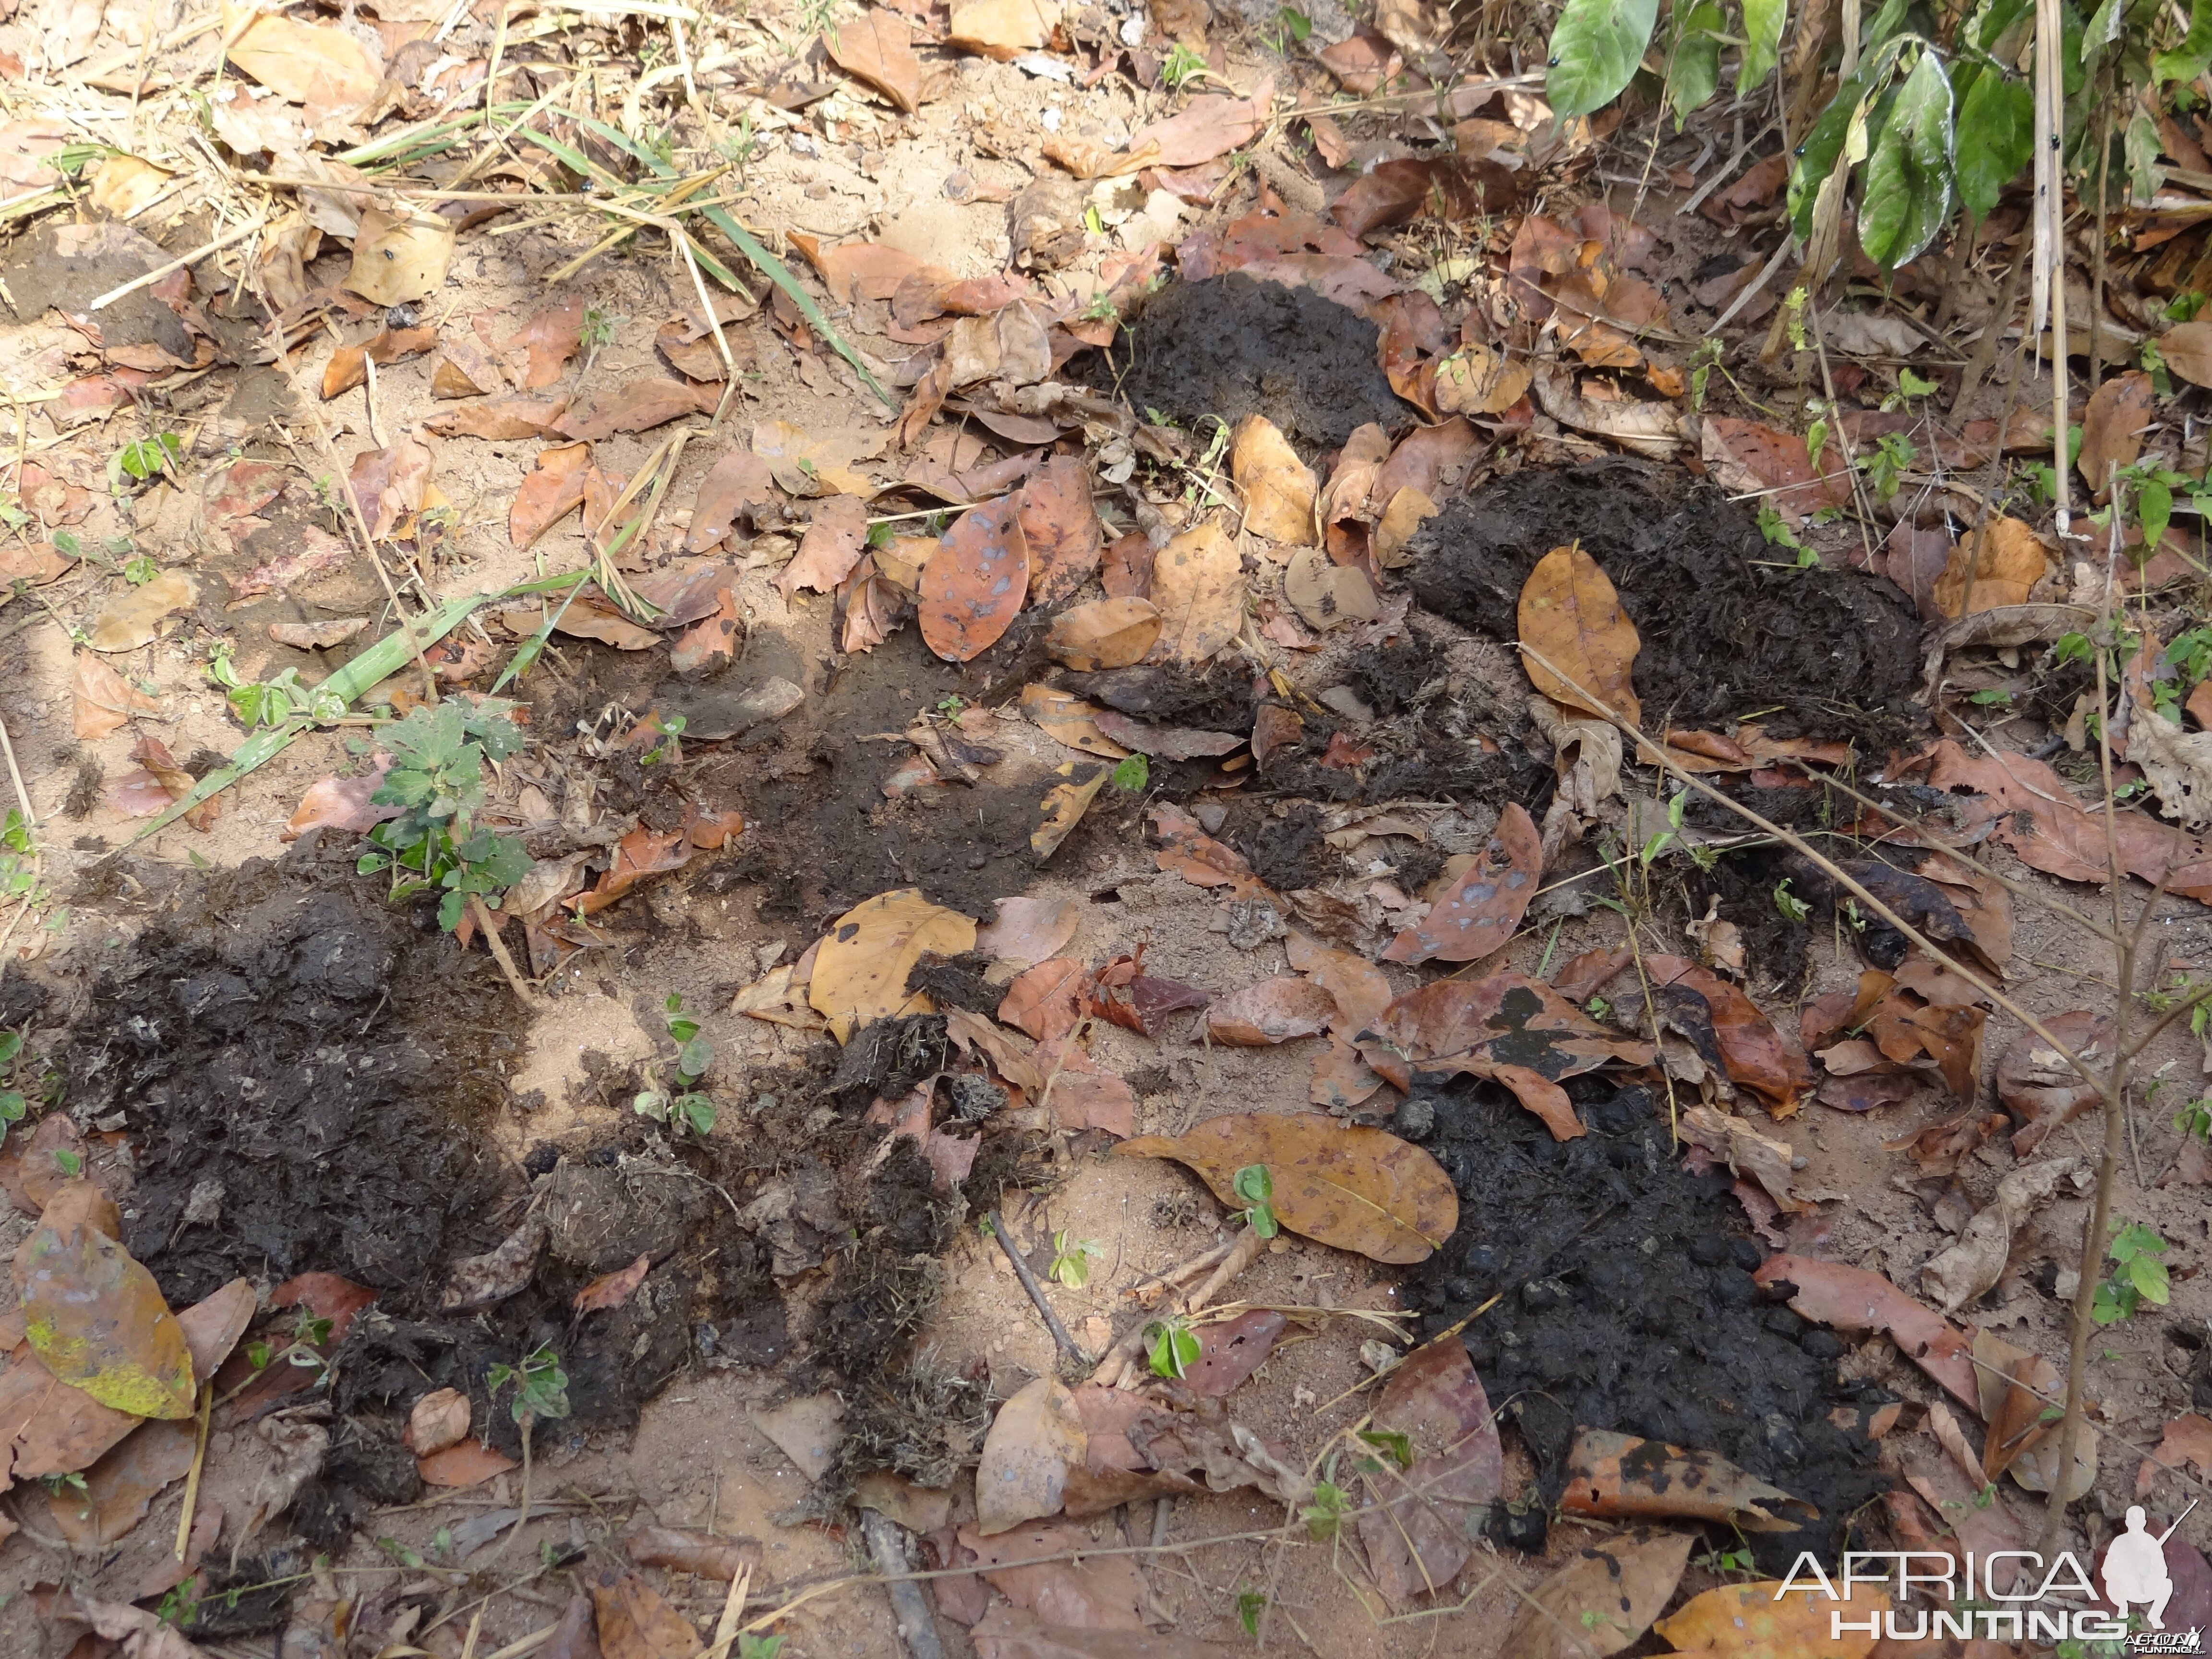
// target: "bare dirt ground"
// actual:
[[430, 1170]]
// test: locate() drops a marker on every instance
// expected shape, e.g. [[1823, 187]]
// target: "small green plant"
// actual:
[[58, 1484], [141, 458], [1292, 29], [1776, 529], [1597, 1008], [1174, 1346], [1133, 774], [759, 1647], [1324, 1516], [598, 330], [1256, 1188], [541, 1387], [141, 570], [684, 1105], [274, 701], [671, 728], [1399, 1445], [950, 705], [71, 1164], [1887, 463], [2194, 1120], [1183, 67], [436, 780], [1726, 1561], [13, 1104], [2138, 1275], [1250, 1604], [1792, 908], [1909, 386], [1071, 1260], [1995, 696]]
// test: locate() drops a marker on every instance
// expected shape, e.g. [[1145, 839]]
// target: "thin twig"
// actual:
[[180, 262], [1069, 1353], [520, 986]]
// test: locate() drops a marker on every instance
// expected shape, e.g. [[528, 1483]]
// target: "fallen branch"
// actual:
[[1069, 1353]]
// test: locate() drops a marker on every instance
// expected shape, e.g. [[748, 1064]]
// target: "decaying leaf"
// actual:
[[634, 1623], [501, 419], [398, 258], [1103, 633], [1064, 806], [703, 1555], [1274, 1011], [1326, 594], [1002, 28], [134, 617], [391, 484], [1477, 913], [1197, 583], [1067, 720], [1418, 1535], [1998, 564], [832, 545], [438, 1419], [1601, 1600], [554, 489], [1763, 1621], [860, 969], [539, 351], [1060, 530], [324, 68], [637, 405], [973, 586], [1849, 1298], [1027, 931], [118, 1490], [1357, 1189], [1618, 1476], [102, 700], [1279, 488], [2112, 427], [878, 49], [1477, 380], [98, 1320], [1023, 1472], [1571, 614], [1956, 1275]]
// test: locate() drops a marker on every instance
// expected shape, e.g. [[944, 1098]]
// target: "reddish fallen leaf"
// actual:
[[1764, 459], [1455, 1025], [541, 348], [711, 640], [388, 483], [118, 1490], [832, 545], [2037, 1086], [1444, 187], [318, 554], [703, 1555], [1850, 1298], [1580, 978], [1060, 529], [2112, 428], [1173, 743], [1754, 1053], [858, 271], [1197, 858], [339, 803], [1477, 913], [1229, 1353], [102, 701], [929, 293], [1139, 1001], [635, 1623], [1418, 1537], [1274, 1011], [465, 369], [1101, 634], [349, 365], [316, 636], [501, 419], [1205, 128], [638, 406], [1618, 1476], [469, 1464], [611, 1291], [739, 480], [973, 586], [1085, 1095], [554, 489], [879, 50], [1046, 1002], [1105, 1593]]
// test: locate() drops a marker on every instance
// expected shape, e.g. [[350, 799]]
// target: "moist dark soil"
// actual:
[[1231, 346], [1777, 951], [1628, 1303], [1726, 636]]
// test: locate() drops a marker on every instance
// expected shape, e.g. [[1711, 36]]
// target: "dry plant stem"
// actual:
[[1249, 1246], [1069, 1353], [199, 1463], [469, 1642], [733, 1609], [1176, 1275], [176, 265], [343, 482], [887, 1549], [520, 986], [1131, 1343]]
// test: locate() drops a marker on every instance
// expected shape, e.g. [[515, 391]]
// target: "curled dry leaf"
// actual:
[[1850, 1298], [391, 484], [1063, 806], [1604, 1598], [1326, 594], [1477, 913], [541, 348], [98, 1320], [1955, 1276], [349, 365], [1274, 1011], [1197, 583], [554, 489], [343, 803], [1196, 856], [2037, 1086], [738, 480], [860, 968], [973, 586], [102, 701], [1998, 564], [317, 636], [464, 368], [880, 49], [832, 545], [1357, 1189], [134, 618], [1354, 984], [1754, 1053], [1570, 612], [612, 1290], [703, 1554], [1417, 1534], [1278, 488], [501, 419], [1021, 1473], [399, 257], [1103, 633], [1060, 530], [438, 1419], [1067, 720], [638, 406], [1619, 1476], [1453, 1024]]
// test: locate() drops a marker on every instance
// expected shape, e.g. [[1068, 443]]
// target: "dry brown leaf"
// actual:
[[134, 618], [1103, 633], [634, 1623], [1763, 1621], [1655, 429], [539, 351], [880, 49], [1207, 128], [1355, 984], [1060, 528], [438, 1419], [324, 68], [1604, 1598], [1570, 612], [125, 184], [860, 969], [1067, 720], [703, 1554], [1326, 594], [398, 258], [2112, 427], [612, 1290], [1996, 565], [1356, 1189], [317, 636], [118, 1490], [102, 700], [831, 548], [1004, 29], [1035, 1438], [1064, 806], [465, 369], [1478, 380], [1847, 1298], [391, 484], [501, 419], [554, 489], [1477, 913], [349, 365], [1028, 931], [1417, 1534], [1278, 488], [973, 586], [1197, 583], [638, 406], [1047, 1001], [1616, 1476], [1274, 1011], [466, 1463]]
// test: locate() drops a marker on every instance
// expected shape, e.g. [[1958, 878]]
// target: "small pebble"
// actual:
[[1211, 815]]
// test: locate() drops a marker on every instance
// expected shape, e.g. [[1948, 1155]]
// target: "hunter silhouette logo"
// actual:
[[2135, 1570]]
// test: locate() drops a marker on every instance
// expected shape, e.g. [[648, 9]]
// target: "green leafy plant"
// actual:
[[1071, 1260], [1173, 1346], [759, 1647], [1727, 1561], [2138, 1275], [1182, 67], [141, 570], [436, 780], [13, 1104], [274, 701], [141, 458], [1250, 1604], [2194, 1120], [1792, 908], [541, 1387], [684, 1105], [1887, 463], [1400, 1445], [1256, 1188], [1133, 773], [598, 332], [1324, 1516]]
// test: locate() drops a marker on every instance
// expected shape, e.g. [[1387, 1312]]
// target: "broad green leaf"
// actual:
[[1816, 155], [1595, 51], [1763, 21], [1884, 28], [2193, 56], [1996, 138], [1909, 175], [2153, 511], [1995, 21], [2143, 146], [2104, 28], [1693, 68]]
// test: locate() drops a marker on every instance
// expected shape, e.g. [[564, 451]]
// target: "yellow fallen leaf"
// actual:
[[861, 967], [1408, 511], [1067, 718], [1278, 488], [1476, 381], [1064, 805], [124, 184], [399, 257], [134, 619], [1746, 1621], [311, 64]]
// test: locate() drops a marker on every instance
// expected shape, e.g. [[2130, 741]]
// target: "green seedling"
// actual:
[[2138, 1276], [1071, 1260], [1133, 774], [141, 458], [684, 1105], [437, 781], [1256, 1188], [1250, 1604], [541, 1387], [1324, 1516], [13, 1104], [1792, 908], [1181, 68], [1174, 1346]]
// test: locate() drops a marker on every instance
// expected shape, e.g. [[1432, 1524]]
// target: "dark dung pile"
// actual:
[[1628, 1303], [1728, 630]]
